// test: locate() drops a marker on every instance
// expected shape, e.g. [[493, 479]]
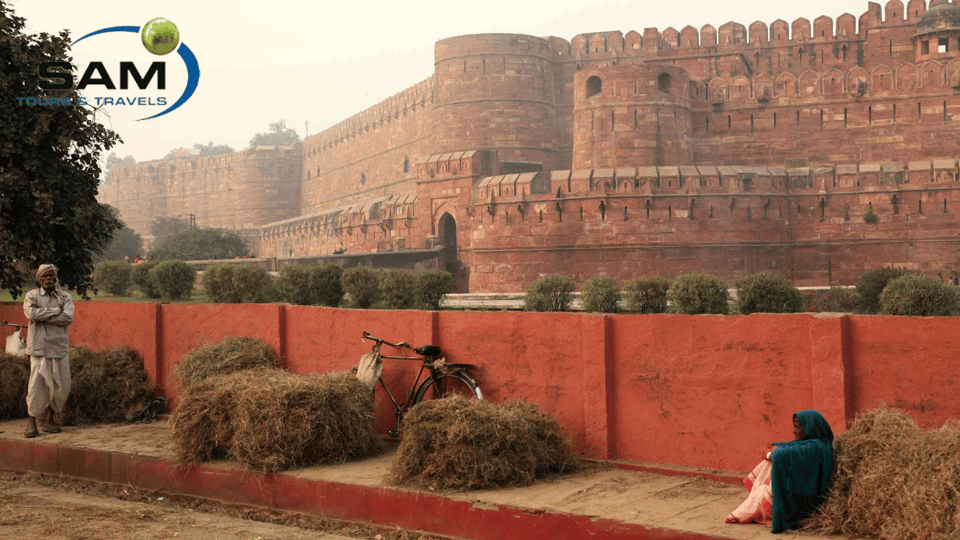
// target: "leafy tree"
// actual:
[[201, 244], [176, 152], [279, 134], [113, 162], [125, 243], [49, 166], [165, 227], [213, 150], [208, 149]]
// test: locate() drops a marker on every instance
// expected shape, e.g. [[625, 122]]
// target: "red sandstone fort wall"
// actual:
[[729, 221], [370, 155], [857, 90], [241, 190]]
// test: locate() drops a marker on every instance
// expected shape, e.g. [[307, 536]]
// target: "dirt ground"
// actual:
[[43, 507]]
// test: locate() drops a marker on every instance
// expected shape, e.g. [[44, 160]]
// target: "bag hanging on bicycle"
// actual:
[[370, 368], [16, 344]]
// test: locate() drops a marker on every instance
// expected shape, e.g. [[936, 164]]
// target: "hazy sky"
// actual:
[[323, 62]]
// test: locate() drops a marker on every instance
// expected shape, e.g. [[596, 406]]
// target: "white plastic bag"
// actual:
[[370, 368], [16, 345]]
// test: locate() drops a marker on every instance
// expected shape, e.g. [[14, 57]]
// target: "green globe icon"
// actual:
[[160, 36]]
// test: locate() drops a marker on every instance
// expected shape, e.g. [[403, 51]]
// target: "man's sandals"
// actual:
[[52, 428], [31, 431]]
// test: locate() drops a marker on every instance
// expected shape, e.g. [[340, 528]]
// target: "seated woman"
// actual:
[[793, 479]]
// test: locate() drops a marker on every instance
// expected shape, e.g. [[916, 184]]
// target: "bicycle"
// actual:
[[444, 378]]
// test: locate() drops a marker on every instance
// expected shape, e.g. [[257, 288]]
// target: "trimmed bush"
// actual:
[[113, 277], [325, 286], [360, 283], [871, 284], [253, 284], [293, 286], [768, 292], [397, 289], [551, 293], [140, 274], [173, 279], [696, 293], [920, 296], [871, 218], [432, 286], [601, 295], [647, 295], [218, 283]]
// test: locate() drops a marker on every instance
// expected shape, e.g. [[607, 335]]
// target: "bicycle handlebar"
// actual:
[[366, 335], [17, 326]]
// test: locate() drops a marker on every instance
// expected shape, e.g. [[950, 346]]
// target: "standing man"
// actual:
[[50, 311]]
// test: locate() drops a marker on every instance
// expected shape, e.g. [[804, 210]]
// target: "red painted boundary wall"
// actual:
[[701, 391]]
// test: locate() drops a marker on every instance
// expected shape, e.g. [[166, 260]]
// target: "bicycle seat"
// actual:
[[428, 350]]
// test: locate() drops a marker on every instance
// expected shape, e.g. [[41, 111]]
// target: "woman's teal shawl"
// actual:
[[801, 472]]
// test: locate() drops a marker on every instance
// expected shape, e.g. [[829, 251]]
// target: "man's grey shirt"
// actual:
[[48, 335]]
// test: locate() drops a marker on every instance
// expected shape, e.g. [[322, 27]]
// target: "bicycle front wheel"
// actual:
[[448, 384]]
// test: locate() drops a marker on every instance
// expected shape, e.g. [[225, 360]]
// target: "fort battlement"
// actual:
[[734, 36], [410, 100]]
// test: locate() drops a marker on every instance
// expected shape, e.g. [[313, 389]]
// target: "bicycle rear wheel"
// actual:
[[448, 384]]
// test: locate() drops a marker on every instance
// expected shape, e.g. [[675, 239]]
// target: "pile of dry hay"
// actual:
[[106, 385], [892, 480], [272, 420], [14, 375], [459, 443], [230, 355]]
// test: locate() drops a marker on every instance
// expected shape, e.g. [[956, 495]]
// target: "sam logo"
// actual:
[[160, 37]]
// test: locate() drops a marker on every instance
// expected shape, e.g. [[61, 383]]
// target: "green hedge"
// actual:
[[325, 285], [360, 283], [253, 284], [218, 283], [432, 286], [293, 285], [647, 295], [173, 279], [140, 274], [113, 277], [600, 295], [872, 283], [397, 289], [551, 293], [768, 292], [919, 295], [696, 293]]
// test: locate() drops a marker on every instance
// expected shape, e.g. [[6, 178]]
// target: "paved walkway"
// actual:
[[614, 503]]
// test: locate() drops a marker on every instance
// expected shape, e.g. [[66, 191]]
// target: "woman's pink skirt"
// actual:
[[758, 508]]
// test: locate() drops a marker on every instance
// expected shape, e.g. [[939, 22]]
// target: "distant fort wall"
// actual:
[[240, 190]]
